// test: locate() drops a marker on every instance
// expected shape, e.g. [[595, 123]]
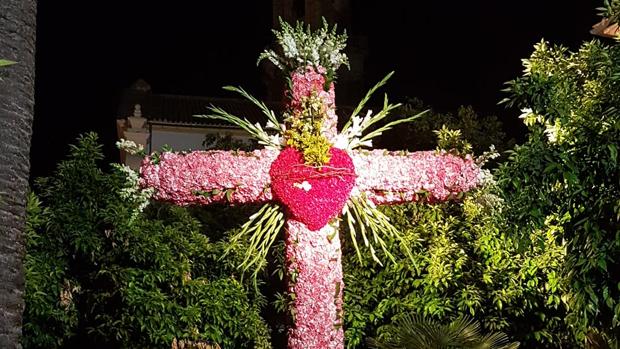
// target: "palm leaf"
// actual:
[[414, 332]]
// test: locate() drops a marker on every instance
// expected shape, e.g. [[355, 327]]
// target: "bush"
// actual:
[[122, 278], [482, 131], [51, 316], [568, 171], [464, 263], [467, 258]]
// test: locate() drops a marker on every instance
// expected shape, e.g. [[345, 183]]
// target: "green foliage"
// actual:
[[610, 10], [568, 171], [451, 140], [270, 114], [256, 130], [6, 62], [412, 332], [51, 315], [260, 231], [463, 263], [481, 131], [370, 221], [215, 141], [359, 131], [302, 47], [123, 278], [464, 260]]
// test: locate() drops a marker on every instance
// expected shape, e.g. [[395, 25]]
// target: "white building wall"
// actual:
[[188, 138]]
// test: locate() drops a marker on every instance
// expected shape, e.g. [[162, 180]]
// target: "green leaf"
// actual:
[[6, 62]]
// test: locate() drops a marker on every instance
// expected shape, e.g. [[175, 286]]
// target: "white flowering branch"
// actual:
[[130, 147]]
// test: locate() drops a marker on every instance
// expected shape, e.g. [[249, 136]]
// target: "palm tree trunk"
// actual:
[[17, 43]]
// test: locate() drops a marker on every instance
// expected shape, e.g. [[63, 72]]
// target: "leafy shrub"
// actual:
[[50, 317], [464, 263], [467, 261], [482, 131], [568, 171], [122, 278]]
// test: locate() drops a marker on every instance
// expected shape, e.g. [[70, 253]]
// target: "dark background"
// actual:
[[446, 53]]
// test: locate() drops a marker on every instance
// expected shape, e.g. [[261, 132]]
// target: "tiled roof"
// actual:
[[179, 110]]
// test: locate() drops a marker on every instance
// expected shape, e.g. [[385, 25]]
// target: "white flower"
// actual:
[[371, 204], [130, 147], [303, 185], [341, 141], [271, 125], [525, 112], [367, 143]]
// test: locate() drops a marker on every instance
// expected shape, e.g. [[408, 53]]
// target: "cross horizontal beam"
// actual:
[[237, 177], [398, 177], [206, 177]]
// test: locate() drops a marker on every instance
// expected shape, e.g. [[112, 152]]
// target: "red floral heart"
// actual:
[[312, 195]]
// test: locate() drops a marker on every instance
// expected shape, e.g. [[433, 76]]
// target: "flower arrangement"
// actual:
[[309, 174], [307, 130]]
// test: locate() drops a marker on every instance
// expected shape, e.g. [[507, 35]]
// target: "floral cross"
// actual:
[[308, 174]]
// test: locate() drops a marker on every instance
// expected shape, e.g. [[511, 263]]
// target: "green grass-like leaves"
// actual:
[[260, 232]]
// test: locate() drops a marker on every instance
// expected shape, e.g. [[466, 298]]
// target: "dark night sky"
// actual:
[[446, 53]]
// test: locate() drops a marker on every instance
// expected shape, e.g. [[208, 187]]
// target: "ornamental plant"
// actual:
[[413, 332], [481, 131]]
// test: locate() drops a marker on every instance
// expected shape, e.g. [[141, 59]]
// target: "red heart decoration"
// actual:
[[312, 195]]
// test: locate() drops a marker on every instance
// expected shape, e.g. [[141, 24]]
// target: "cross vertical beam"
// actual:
[[315, 279]]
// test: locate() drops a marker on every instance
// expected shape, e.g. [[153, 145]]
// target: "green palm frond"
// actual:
[[256, 130], [414, 332], [366, 98], [361, 130], [270, 114]]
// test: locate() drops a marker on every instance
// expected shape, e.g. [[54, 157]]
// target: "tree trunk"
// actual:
[[17, 43], [315, 279]]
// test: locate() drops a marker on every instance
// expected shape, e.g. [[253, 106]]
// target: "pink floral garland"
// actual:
[[205, 177], [384, 177], [315, 278], [390, 178]]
